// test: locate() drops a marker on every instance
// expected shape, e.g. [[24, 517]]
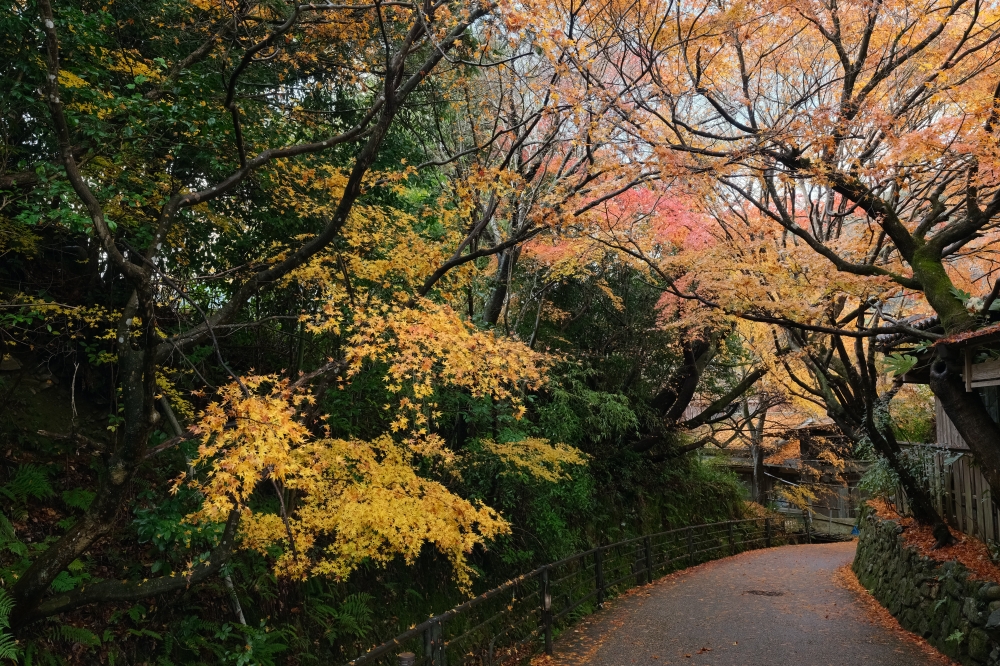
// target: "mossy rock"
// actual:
[[979, 645]]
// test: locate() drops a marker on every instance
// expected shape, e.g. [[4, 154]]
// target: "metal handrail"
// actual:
[[608, 573]]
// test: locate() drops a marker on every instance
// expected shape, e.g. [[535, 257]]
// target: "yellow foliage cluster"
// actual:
[[130, 62], [384, 247], [831, 458], [538, 458], [800, 496], [349, 500], [180, 404], [247, 436], [369, 500], [431, 345], [27, 313], [343, 501], [16, 237]]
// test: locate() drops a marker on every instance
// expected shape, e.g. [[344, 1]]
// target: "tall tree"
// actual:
[[358, 178], [155, 149], [863, 131]]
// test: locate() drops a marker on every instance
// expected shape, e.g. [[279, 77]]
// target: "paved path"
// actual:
[[772, 607]]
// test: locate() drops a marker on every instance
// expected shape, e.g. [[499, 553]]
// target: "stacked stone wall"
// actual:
[[942, 602]]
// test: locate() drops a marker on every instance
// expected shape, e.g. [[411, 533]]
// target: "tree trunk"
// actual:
[[965, 409], [675, 397], [921, 504], [885, 444], [494, 306], [756, 452], [120, 463], [757, 457], [968, 413], [939, 290], [920, 499]]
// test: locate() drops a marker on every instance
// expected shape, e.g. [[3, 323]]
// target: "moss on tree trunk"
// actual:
[[939, 290]]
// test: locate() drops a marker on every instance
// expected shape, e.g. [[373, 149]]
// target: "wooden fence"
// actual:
[[960, 494]]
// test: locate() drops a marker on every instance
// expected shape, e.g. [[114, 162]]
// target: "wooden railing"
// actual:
[[519, 618]]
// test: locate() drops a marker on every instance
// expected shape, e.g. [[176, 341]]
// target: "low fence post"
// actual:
[[732, 540], [767, 532], [805, 523], [648, 552], [599, 575], [434, 645], [407, 659], [442, 656], [690, 538], [547, 610]]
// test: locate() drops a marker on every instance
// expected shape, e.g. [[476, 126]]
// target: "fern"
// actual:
[[356, 614], [261, 646], [8, 539], [30, 481], [352, 619], [78, 498], [80, 635], [900, 364], [8, 647], [35, 657]]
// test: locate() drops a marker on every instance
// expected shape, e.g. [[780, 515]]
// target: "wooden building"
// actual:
[[980, 351], [814, 453]]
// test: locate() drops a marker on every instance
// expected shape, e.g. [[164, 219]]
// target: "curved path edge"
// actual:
[[774, 607]]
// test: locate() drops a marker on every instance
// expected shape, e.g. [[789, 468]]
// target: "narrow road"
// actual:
[[775, 607]]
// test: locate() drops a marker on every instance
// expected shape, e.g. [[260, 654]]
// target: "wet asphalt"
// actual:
[[774, 607]]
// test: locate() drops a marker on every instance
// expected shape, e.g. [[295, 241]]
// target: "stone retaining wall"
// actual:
[[957, 614]]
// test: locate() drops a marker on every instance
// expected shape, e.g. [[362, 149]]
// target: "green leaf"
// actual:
[[900, 364], [137, 612], [65, 582]]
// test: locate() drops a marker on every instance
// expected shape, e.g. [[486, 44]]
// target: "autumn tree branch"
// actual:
[[110, 591]]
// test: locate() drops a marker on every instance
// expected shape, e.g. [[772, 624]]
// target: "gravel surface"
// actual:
[[767, 607]]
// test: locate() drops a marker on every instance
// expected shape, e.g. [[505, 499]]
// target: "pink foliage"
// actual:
[[641, 215], [670, 219]]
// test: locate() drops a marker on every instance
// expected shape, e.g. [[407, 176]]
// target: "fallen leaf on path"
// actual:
[[879, 615]]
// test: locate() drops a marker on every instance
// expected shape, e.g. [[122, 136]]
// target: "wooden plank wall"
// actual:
[[947, 434], [961, 495]]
